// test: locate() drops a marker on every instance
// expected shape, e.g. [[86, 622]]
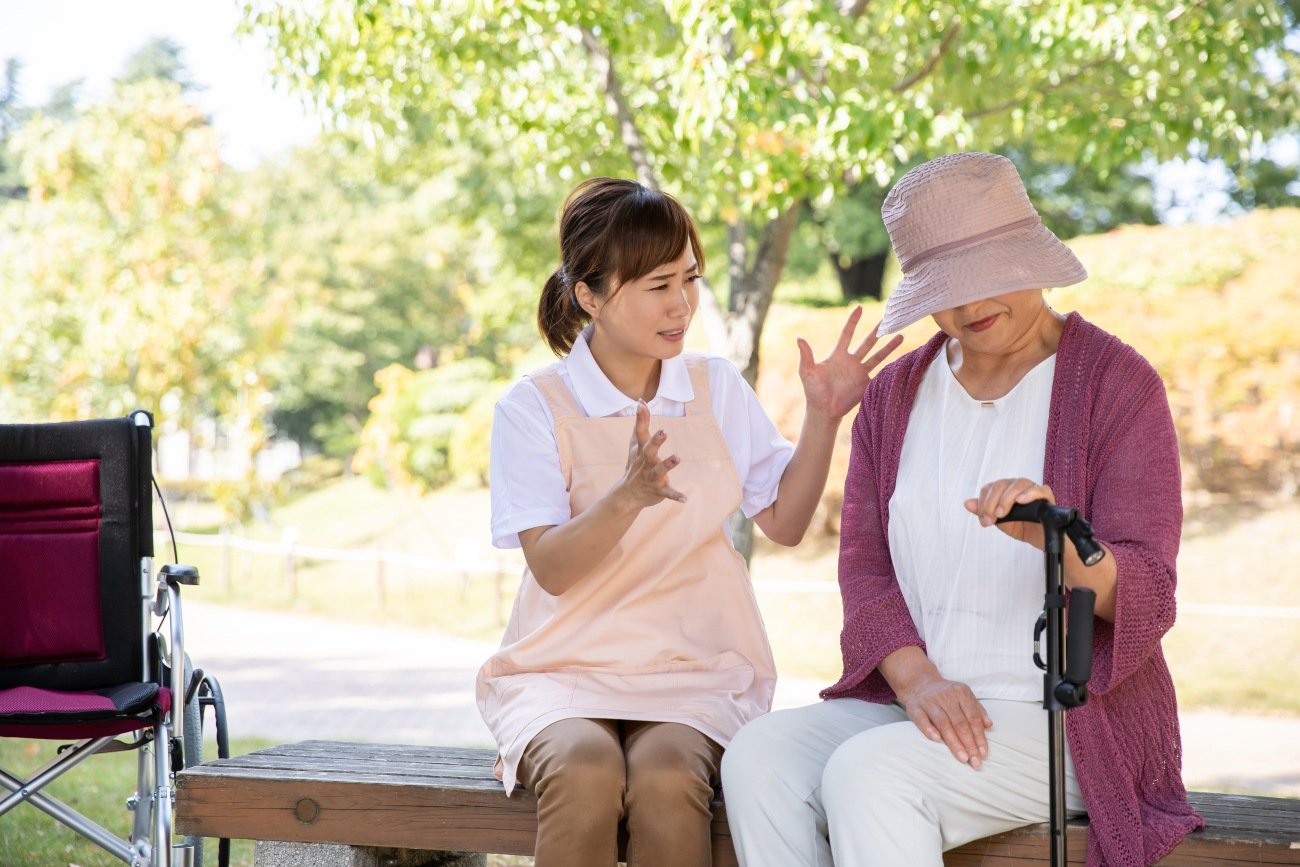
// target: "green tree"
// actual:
[[748, 109], [158, 59], [9, 96], [415, 418], [850, 233], [63, 102], [1267, 183], [127, 274], [1076, 199], [11, 115], [385, 268]]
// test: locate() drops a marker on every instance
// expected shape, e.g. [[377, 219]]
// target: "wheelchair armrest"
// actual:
[[179, 573]]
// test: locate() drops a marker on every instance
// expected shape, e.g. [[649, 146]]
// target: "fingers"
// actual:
[[996, 498], [669, 493], [850, 325], [867, 342], [806, 360], [1037, 492], [644, 444], [644, 458], [641, 427], [962, 731], [958, 720], [881, 354], [659, 475], [646, 479]]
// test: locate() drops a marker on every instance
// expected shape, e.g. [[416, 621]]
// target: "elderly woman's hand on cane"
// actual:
[[996, 499]]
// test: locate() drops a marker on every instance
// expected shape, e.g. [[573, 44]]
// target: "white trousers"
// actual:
[[850, 783]]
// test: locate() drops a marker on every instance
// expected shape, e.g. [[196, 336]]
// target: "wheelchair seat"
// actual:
[[92, 645]]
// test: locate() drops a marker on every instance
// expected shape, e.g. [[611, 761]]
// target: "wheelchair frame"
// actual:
[[170, 739]]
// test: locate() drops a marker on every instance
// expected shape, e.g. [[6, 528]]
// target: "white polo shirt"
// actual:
[[528, 488]]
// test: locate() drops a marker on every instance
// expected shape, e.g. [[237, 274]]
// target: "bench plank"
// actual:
[[446, 799], [437, 798]]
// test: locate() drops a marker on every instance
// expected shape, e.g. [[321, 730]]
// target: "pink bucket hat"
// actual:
[[963, 229]]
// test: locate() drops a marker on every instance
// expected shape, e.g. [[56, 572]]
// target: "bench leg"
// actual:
[[274, 853]]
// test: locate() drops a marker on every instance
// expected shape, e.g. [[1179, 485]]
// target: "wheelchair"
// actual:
[[92, 641]]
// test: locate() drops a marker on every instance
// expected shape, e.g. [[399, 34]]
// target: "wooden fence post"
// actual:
[[288, 538], [225, 561]]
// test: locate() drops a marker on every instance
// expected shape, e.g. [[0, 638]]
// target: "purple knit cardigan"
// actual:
[[1111, 453]]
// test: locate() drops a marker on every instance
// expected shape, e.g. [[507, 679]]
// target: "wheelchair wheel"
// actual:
[[191, 744], [203, 691]]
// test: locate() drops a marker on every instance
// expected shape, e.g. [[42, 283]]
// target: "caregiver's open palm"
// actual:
[[835, 385]]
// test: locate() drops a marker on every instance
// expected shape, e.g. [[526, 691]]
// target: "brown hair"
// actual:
[[611, 231]]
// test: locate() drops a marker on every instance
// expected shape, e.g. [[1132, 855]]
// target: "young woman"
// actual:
[[635, 649], [935, 735]]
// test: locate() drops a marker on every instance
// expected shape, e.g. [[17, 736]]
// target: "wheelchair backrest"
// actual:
[[76, 521]]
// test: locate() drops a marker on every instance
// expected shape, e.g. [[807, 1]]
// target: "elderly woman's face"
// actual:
[[994, 324]]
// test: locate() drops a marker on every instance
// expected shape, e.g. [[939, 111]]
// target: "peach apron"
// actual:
[[666, 627]]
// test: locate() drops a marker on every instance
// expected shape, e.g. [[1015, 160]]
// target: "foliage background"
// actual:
[[365, 296], [368, 295]]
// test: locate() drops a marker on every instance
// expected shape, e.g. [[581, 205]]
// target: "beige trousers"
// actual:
[[854, 784], [588, 774]]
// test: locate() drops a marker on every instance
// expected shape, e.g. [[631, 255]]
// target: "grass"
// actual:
[[1238, 554], [98, 788], [353, 514]]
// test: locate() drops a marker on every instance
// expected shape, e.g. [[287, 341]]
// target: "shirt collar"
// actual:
[[597, 395]]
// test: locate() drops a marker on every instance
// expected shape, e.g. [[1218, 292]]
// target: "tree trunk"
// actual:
[[737, 331], [752, 285], [742, 534], [862, 278]]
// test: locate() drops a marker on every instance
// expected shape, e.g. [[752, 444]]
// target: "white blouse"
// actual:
[[528, 488], [973, 592]]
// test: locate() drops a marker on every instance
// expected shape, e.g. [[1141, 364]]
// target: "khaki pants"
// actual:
[[854, 784], [588, 774]]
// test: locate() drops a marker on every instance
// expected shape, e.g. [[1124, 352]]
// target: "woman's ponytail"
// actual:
[[559, 317]]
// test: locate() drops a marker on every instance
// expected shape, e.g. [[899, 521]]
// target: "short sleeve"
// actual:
[[527, 485], [760, 451]]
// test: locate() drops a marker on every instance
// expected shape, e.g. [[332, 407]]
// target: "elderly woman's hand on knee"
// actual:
[[944, 710]]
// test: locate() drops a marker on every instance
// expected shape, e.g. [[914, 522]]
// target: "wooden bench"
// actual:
[[407, 805]]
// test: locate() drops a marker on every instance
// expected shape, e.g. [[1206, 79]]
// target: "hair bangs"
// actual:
[[650, 229]]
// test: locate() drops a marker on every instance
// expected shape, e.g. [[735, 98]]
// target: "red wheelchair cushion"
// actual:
[[49, 547], [29, 712]]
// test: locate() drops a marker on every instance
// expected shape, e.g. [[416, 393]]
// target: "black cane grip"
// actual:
[[1031, 511], [1078, 636]]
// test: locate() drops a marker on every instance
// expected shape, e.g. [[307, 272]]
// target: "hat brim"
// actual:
[[1029, 258]]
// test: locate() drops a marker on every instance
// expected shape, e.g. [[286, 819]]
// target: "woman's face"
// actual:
[[648, 316], [995, 325]]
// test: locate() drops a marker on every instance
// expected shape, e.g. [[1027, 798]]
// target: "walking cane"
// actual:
[[1069, 654]]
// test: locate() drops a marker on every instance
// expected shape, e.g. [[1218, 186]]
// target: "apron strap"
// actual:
[[702, 402], [555, 392]]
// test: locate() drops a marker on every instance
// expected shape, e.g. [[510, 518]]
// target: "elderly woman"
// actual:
[[935, 735]]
